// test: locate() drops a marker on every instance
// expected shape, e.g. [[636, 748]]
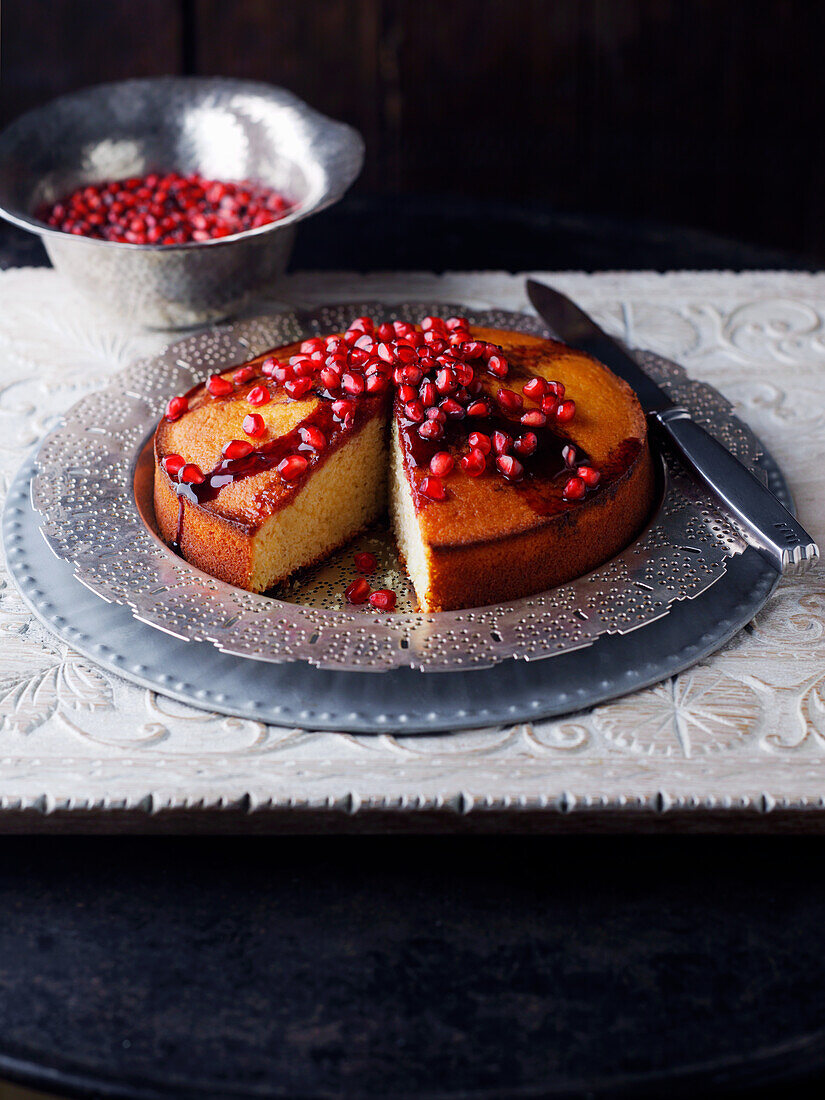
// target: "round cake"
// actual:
[[510, 463]]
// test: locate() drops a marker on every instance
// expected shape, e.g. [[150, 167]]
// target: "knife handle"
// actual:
[[769, 526]]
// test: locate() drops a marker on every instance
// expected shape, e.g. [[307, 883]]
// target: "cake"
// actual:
[[512, 463]]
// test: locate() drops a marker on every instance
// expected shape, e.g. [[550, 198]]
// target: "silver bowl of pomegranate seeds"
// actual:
[[173, 200]]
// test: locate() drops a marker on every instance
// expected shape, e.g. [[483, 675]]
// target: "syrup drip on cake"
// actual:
[[464, 409]]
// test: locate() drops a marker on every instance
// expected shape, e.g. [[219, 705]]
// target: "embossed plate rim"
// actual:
[[204, 609]]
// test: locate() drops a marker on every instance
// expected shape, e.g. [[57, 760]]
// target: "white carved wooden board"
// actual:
[[743, 729]]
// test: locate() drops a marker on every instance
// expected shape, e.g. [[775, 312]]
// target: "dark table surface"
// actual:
[[421, 967]]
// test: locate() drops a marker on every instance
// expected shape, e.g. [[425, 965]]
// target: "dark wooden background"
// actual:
[[705, 113]]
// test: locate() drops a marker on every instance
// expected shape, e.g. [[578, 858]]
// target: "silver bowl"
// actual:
[[225, 129]]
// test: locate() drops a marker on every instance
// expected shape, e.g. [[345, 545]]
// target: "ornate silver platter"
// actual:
[[90, 492]]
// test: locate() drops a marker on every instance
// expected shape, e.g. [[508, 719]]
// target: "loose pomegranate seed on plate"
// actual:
[[218, 386], [292, 467], [433, 489], [259, 395], [366, 562], [176, 408], [358, 591], [237, 448], [383, 599], [254, 425]]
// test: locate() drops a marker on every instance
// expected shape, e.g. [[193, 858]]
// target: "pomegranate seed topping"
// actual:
[[358, 591], [237, 448], [244, 374], [574, 489], [282, 372], [172, 464], [259, 395], [377, 383], [335, 345], [475, 463], [219, 387], [589, 476], [385, 331], [445, 381], [534, 419], [414, 411], [434, 324], [549, 404], [353, 384], [366, 343], [304, 368], [191, 474], [556, 388], [366, 562], [481, 441], [309, 346], [429, 394], [383, 599], [478, 408], [292, 467], [441, 463], [510, 467], [433, 489], [411, 375], [526, 444], [385, 352], [452, 409], [407, 394], [464, 373], [502, 442], [473, 349], [436, 414], [535, 388], [364, 324], [454, 323], [510, 400], [254, 425], [497, 366], [313, 437], [330, 379], [566, 411], [297, 388], [176, 408], [431, 429], [568, 453], [342, 409], [358, 357]]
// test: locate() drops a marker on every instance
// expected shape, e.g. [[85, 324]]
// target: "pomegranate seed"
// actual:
[[510, 467], [535, 388], [366, 562], [353, 384], [385, 352], [244, 374], [292, 467], [436, 414], [497, 366], [414, 411], [502, 442], [574, 489], [588, 475], [431, 429], [526, 444], [377, 383], [549, 404], [556, 388], [191, 474], [452, 409], [534, 419], [335, 345], [358, 591], [254, 425], [411, 375], [566, 411], [429, 395], [343, 408], [297, 388], [478, 408], [304, 368], [510, 400], [433, 489], [407, 394], [282, 372], [365, 343], [237, 448], [172, 464], [568, 453], [464, 373], [365, 324], [472, 349], [330, 379], [311, 345], [441, 463], [358, 357], [176, 408], [219, 387], [313, 437], [404, 353], [475, 463], [454, 323], [481, 442], [433, 324], [259, 395], [385, 331], [383, 599], [445, 381]]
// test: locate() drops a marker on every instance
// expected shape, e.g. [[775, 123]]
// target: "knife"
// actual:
[[768, 526]]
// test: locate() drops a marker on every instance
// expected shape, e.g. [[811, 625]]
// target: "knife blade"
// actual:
[[768, 526]]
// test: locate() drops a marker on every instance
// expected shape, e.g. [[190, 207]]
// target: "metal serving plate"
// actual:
[[89, 474]]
